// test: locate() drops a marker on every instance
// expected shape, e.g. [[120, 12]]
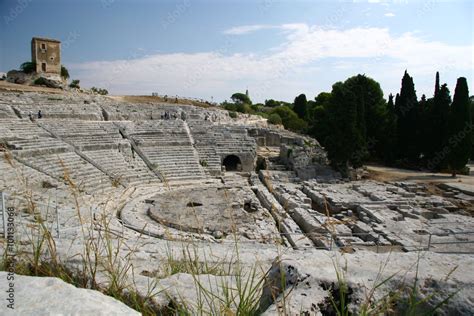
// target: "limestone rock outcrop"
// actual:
[[52, 296], [311, 285]]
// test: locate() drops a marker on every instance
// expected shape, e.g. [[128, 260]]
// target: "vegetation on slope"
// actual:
[[357, 125]]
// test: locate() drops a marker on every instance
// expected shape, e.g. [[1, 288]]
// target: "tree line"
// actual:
[[357, 125]]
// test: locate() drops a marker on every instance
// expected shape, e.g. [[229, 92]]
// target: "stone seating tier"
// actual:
[[128, 170], [84, 175], [174, 162], [61, 110], [37, 146], [22, 128], [6, 111], [76, 128], [94, 142], [153, 127], [211, 158], [19, 173]]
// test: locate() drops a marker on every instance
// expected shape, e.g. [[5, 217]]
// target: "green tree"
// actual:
[[64, 72], [471, 98], [389, 140], [319, 126], [290, 119], [345, 143], [241, 98], [28, 67], [436, 84], [408, 129], [272, 103], [75, 84], [228, 106], [255, 107], [460, 127], [243, 108], [425, 106], [438, 129], [353, 116], [371, 111], [300, 106], [274, 118], [99, 91]]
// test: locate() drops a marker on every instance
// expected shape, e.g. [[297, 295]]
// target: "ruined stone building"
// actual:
[[46, 53]]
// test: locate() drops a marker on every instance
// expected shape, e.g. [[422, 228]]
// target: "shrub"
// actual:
[[233, 114], [28, 67], [229, 106], [262, 114], [99, 91], [243, 108], [255, 107], [290, 119], [41, 82], [274, 119], [64, 72], [75, 84]]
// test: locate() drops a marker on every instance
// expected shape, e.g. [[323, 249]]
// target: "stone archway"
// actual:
[[232, 163]]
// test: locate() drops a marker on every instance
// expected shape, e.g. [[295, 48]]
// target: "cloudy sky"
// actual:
[[277, 49]]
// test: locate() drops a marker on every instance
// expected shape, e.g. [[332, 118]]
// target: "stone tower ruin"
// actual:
[[46, 53]]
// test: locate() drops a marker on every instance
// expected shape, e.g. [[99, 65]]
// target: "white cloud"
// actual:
[[389, 14], [373, 51], [245, 29]]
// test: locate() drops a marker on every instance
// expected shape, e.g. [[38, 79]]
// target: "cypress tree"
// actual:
[[390, 132], [471, 99], [408, 123], [345, 144], [300, 106], [439, 129], [460, 127], [425, 124], [371, 111]]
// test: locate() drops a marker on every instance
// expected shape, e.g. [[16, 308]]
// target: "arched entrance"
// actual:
[[232, 163]]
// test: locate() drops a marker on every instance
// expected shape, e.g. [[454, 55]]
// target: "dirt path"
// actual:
[[382, 173], [462, 183]]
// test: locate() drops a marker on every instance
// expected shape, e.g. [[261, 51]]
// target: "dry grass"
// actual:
[[159, 99]]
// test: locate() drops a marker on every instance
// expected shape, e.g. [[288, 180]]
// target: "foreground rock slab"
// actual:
[[310, 284], [52, 296]]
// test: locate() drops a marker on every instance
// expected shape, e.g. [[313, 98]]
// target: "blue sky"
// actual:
[[276, 49]]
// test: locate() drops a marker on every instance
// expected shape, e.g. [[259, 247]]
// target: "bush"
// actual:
[[255, 107], [274, 119], [28, 67], [99, 91], [243, 108], [229, 106], [64, 72], [233, 114], [262, 114], [41, 82], [75, 84], [290, 119]]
